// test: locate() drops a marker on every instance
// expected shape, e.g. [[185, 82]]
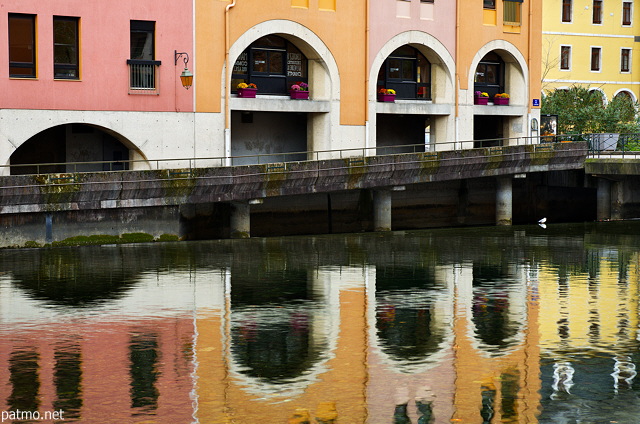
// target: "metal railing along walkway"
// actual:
[[257, 159]]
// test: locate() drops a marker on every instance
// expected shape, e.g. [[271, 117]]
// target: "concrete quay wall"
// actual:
[[53, 207]]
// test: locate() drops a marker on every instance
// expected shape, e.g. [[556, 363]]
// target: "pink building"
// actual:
[[412, 51], [97, 371], [92, 81]]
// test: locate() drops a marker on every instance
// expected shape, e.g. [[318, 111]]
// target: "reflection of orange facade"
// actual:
[[338, 393], [93, 367], [362, 384], [510, 382]]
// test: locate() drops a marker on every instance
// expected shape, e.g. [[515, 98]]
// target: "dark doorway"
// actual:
[[400, 133], [488, 131]]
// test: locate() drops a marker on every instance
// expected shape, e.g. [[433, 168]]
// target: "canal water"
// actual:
[[475, 325]]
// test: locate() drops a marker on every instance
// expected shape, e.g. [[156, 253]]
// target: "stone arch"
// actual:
[[73, 145], [323, 115], [627, 92], [443, 72], [516, 71], [605, 99], [320, 58], [433, 50]]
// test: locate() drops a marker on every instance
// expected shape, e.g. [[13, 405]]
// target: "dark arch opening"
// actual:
[[70, 148], [408, 72], [273, 63], [489, 76]]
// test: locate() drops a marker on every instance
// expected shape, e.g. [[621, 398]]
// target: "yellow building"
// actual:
[[590, 43]]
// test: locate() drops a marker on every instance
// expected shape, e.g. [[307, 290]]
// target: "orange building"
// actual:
[[498, 51], [316, 42]]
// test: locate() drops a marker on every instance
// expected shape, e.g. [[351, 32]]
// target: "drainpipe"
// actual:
[[366, 79], [227, 90], [456, 83], [528, 97]]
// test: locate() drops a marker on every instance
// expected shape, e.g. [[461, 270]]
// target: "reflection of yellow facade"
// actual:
[[574, 313]]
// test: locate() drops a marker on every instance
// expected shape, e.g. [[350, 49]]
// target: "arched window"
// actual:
[[408, 72], [490, 75], [272, 63]]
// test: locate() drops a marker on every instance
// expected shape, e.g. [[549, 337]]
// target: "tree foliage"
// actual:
[[581, 111]]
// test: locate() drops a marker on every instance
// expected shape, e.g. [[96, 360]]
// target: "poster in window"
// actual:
[[548, 128], [241, 65], [294, 65]]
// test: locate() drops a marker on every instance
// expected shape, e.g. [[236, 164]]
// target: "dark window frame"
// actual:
[[142, 27], [597, 12], [409, 87], [67, 70], [494, 62], [565, 58], [143, 71], [627, 15], [489, 4], [596, 59], [567, 10], [625, 60], [16, 65], [278, 77], [512, 12]]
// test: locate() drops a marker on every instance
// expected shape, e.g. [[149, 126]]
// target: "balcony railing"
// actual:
[[143, 76]]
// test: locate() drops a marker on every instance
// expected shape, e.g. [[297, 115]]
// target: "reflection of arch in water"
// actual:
[[75, 277], [411, 318], [497, 306], [281, 347]]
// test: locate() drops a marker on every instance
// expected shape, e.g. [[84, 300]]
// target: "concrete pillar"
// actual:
[[603, 200], [382, 210], [240, 224], [504, 201], [617, 199]]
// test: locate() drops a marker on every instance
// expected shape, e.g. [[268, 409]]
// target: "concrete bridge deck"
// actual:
[[124, 189], [32, 207]]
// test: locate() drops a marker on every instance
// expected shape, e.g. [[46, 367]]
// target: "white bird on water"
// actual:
[[542, 222]]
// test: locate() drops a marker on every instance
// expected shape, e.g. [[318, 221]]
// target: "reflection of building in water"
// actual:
[[495, 350], [394, 342], [429, 358], [98, 367], [410, 319], [589, 320], [292, 352]]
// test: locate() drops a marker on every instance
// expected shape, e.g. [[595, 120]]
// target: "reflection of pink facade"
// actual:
[[105, 361], [387, 387], [104, 50]]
